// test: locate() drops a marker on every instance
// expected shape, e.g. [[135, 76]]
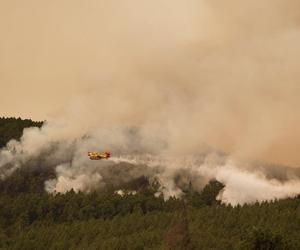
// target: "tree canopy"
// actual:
[[31, 218]]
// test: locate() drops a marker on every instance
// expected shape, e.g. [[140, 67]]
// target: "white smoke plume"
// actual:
[[131, 159], [159, 84]]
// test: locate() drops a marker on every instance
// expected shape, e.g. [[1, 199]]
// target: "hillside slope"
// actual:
[[31, 218], [12, 128]]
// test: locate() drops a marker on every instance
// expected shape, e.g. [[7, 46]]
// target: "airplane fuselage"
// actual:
[[98, 156]]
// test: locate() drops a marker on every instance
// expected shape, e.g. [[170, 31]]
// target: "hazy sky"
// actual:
[[222, 72]]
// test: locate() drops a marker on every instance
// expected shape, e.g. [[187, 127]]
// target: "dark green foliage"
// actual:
[[207, 197], [178, 236], [12, 128], [77, 220], [30, 218], [26, 180], [134, 231], [210, 192], [104, 220], [261, 239], [258, 226]]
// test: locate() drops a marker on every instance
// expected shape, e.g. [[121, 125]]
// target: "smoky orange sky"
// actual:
[[224, 73]]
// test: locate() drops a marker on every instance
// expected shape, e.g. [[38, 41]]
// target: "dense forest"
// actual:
[[12, 128], [31, 218]]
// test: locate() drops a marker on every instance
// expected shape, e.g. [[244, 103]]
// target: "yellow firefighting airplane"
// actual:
[[98, 155]]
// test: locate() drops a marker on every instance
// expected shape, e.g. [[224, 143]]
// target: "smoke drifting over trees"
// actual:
[[197, 101], [51, 147], [188, 76]]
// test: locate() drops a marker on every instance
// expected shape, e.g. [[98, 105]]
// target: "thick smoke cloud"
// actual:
[[133, 158], [168, 79]]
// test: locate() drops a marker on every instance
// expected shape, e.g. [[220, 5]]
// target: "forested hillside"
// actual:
[[31, 218], [12, 128]]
